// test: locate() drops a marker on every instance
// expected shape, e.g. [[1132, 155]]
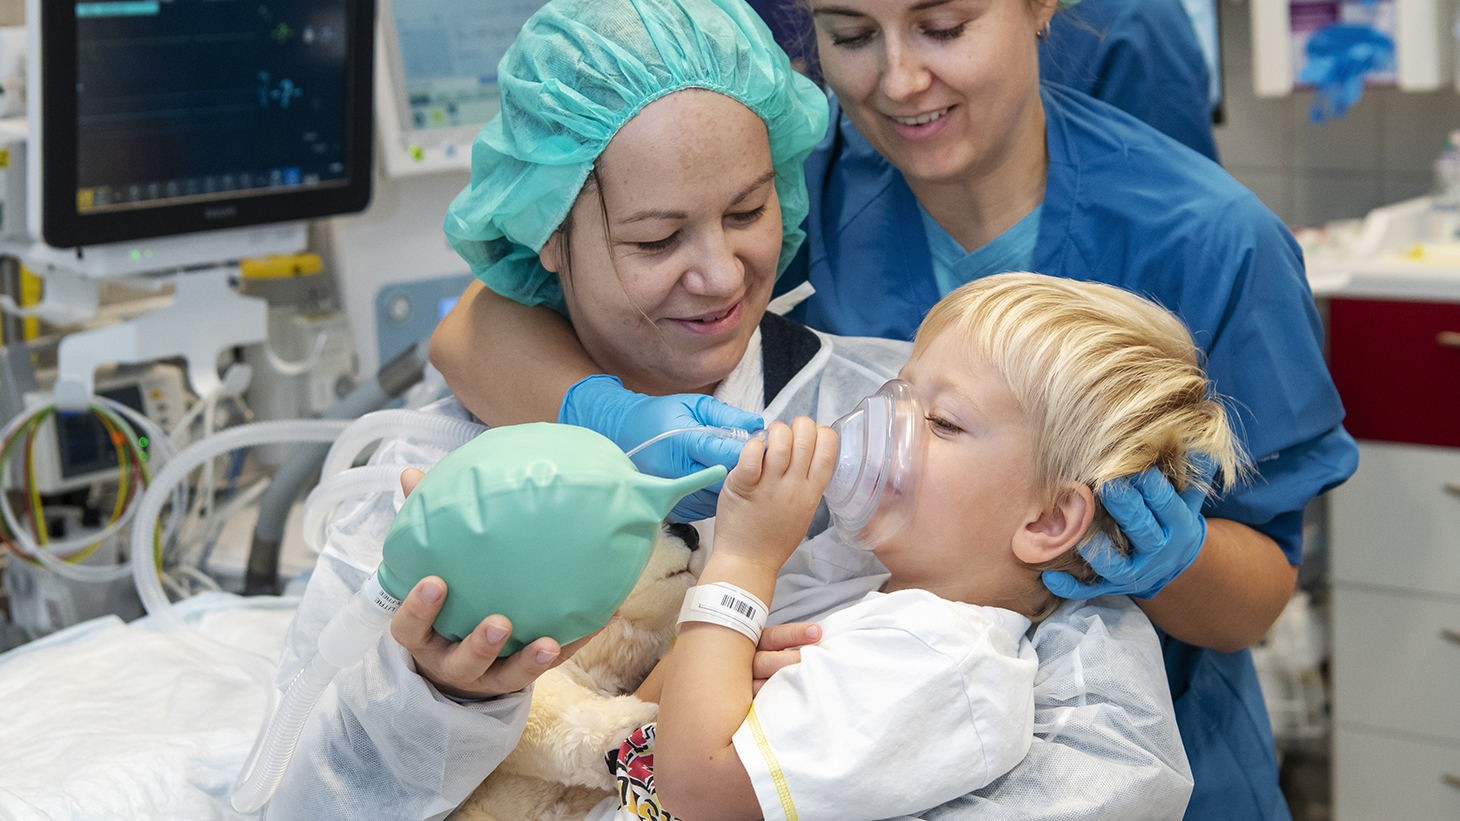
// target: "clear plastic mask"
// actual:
[[870, 495], [879, 454]]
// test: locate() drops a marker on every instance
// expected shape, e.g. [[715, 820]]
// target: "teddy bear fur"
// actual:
[[585, 708]]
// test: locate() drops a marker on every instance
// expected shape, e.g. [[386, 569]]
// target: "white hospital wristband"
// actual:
[[726, 605]]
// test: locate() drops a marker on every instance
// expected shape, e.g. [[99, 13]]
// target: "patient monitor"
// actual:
[[175, 137]]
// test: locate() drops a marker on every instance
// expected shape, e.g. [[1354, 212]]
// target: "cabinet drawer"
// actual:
[[1378, 777], [1399, 380], [1396, 662], [1395, 523]]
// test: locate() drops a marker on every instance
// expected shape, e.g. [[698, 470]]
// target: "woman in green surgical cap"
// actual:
[[649, 187], [644, 181]]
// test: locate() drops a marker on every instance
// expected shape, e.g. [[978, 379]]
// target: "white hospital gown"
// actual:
[[908, 701]]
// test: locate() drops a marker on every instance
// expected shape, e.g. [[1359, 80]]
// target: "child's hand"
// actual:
[[770, 497]]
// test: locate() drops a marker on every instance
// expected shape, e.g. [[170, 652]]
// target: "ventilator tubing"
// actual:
[[49, 554], [320, 504], [417, 426], [343, 642], [879, 453], [144, 561], [339, 482]]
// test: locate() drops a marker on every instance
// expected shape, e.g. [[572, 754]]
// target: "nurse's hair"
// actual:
[[1110, 383]]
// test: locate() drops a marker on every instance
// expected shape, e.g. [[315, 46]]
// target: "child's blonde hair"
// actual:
[[1110, 383]]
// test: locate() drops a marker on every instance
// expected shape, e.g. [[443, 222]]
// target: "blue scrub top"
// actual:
[[953, 266], [1131, 207], [1141, 56]]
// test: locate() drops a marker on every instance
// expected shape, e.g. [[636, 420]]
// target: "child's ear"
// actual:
[[1054, 531]]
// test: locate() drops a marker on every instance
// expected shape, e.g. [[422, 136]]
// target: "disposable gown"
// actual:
[[1142, 57], [1130, 207], [384, 743]]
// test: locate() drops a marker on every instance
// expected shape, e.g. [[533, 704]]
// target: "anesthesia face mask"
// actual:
[[879, 454]]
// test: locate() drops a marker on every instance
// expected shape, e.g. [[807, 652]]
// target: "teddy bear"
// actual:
[[584, 708]]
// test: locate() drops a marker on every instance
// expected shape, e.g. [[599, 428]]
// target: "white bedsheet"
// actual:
[[107, 720]]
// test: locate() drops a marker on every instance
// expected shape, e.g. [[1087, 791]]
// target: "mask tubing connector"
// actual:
[[733, 434]]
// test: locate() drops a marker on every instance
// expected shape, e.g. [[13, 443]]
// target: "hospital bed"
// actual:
[[109, 720]]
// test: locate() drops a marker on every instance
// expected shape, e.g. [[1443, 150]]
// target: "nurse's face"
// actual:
[[946, 90], [670, 269]]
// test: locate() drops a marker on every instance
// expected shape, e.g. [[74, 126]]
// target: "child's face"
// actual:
[[976, 487]]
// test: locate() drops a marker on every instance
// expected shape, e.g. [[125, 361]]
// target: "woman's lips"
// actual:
[[712, 323], [909, 128]]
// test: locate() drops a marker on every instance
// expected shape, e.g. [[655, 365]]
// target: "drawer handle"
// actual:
[[1450, 634], [1451, 779], [1449, 339]]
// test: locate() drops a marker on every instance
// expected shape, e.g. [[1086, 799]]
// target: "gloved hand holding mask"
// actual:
[[629, 419]]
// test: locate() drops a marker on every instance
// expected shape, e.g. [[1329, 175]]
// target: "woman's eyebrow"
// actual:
[[755, 186], [653, 214], [667, 214], [843, 11]]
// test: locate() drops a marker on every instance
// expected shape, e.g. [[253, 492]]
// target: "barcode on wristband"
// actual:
[[743, 608], [726, 605]]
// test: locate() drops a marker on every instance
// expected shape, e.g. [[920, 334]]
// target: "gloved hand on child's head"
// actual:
[[1165, 528]]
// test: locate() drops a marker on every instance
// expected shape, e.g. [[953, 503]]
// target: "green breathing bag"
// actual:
[[549, 525]]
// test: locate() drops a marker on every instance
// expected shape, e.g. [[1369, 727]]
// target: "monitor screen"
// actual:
[[439, 78], [172, 116]]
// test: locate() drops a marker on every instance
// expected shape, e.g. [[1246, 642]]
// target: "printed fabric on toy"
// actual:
[[633, 769]]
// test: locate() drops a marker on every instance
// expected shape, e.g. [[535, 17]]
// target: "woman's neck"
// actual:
[[992, 198]]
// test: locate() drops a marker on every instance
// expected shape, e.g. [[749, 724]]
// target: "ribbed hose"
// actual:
[[144, 566], [270, 756], [320, 504], [419, 425], [343, 642]]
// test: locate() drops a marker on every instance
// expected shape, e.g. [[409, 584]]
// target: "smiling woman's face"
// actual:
[[946, 90], [666, 288]]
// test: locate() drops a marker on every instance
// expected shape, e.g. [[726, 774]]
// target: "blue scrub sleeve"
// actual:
[[1141, 56]]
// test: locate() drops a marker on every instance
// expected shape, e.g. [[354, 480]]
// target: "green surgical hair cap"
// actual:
[[576, 73]]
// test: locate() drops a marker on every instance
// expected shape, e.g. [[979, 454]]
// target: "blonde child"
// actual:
[[1038, 392]]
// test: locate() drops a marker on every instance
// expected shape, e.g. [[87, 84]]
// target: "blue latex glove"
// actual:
[[603, 404], [1165, 529]]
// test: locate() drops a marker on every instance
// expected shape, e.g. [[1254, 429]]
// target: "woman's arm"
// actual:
[[1230, 595], [508, 363]]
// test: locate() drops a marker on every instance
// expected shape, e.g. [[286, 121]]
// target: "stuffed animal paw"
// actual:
[[585, 708]]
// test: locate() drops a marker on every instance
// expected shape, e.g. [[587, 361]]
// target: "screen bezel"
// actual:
[[63, 226]]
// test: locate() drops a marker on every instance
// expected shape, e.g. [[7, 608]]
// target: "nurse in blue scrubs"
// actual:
[[948, 160]]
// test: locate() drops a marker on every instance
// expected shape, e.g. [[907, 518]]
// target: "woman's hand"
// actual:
[[603, 404], [770, 498], [1166, 531], [779, 648], [469, 668]]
